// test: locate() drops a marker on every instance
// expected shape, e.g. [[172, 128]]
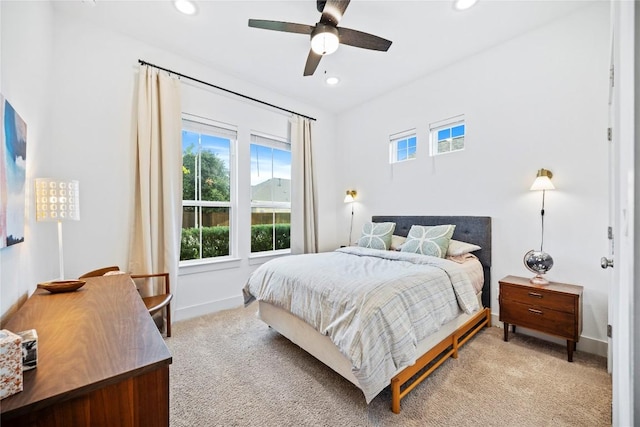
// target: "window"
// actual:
[[447, 136], [270, 194], [402, 146], [207, 193]]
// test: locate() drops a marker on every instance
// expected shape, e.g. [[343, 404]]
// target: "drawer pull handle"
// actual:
[[533, 310], [535, 295]]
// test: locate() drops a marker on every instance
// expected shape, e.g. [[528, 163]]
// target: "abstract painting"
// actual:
[[13, 159]]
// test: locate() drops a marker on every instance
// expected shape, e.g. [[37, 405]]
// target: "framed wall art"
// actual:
[[13, 161]]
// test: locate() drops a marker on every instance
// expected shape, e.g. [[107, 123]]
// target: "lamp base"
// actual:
[[539, 280], [538, 262]]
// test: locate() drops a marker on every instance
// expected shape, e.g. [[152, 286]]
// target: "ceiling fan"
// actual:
[[326, 35]]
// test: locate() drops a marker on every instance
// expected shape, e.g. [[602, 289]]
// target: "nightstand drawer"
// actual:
[[540, 318], [538, 297]]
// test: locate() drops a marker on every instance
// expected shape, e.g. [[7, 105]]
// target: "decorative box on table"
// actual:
[[10, 363], [29, 349]]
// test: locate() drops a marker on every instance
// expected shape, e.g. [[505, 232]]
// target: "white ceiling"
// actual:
[[426, 35]]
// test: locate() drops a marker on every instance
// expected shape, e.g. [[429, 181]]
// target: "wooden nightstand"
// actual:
[[554, 309]]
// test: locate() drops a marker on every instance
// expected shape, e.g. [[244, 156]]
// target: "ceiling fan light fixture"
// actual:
[[463, 4], [187, 7], [324, 39], [325, 36]]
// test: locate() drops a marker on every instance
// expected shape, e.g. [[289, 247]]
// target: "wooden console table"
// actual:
[[101, 360]]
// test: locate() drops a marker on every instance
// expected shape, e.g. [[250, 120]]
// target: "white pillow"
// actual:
[[457, 248], [396, 242]]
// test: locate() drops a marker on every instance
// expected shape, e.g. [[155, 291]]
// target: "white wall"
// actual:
[[98, 70], [25, 82], [87, 118], [539, 100]]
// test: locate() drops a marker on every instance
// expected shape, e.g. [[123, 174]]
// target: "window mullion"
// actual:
[[199, 186], [199, 209]]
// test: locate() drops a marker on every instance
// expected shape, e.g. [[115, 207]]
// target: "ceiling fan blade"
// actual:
[[287, 27], [312, 63], [363, 40], [333, 11]]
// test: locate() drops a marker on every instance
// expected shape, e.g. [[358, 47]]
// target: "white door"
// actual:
[[622, 212]]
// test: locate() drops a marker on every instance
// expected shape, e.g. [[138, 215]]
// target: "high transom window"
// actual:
[[402, 146], [447, 136]]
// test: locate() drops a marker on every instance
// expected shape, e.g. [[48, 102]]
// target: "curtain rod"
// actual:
[[223, 89]]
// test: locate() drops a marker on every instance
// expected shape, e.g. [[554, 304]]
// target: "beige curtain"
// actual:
[[304, 212], [155, 239]]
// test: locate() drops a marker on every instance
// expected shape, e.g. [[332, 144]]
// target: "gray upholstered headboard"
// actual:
[[472, 229]]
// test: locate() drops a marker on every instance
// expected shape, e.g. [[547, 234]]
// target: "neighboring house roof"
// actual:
[[272, 190]]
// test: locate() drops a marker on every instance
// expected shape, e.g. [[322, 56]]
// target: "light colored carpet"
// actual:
[[230, 369]]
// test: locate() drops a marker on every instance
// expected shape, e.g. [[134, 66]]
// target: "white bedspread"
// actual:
[[374, 305]]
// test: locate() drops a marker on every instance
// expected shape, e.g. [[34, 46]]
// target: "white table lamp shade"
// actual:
[[57, 200]]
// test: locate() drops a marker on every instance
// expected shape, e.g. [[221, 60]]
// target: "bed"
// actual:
[[414, 341]]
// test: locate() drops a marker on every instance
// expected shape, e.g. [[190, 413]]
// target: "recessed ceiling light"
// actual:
[[463, 4], [185, 6], [332, 80]]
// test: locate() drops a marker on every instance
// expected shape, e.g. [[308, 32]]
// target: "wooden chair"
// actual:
[[154, 303], [99, 272]]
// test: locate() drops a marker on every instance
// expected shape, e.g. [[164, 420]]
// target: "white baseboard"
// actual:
[[185, 313], [586, 344]]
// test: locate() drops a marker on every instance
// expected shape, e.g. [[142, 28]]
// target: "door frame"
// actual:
[[621, 290]]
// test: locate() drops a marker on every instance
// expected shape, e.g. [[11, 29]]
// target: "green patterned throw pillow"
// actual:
[[377, 235], [425, 240]]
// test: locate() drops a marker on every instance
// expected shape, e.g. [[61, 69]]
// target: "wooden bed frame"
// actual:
[[476, 230], [435, 357]]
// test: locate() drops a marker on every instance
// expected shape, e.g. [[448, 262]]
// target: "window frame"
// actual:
[[201, 125], [443, 125], [394, 142], [279, 143]]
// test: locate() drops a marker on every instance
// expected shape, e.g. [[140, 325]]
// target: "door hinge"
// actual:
[[610, 233], [609, 134], [612, 76], [609, 331]]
